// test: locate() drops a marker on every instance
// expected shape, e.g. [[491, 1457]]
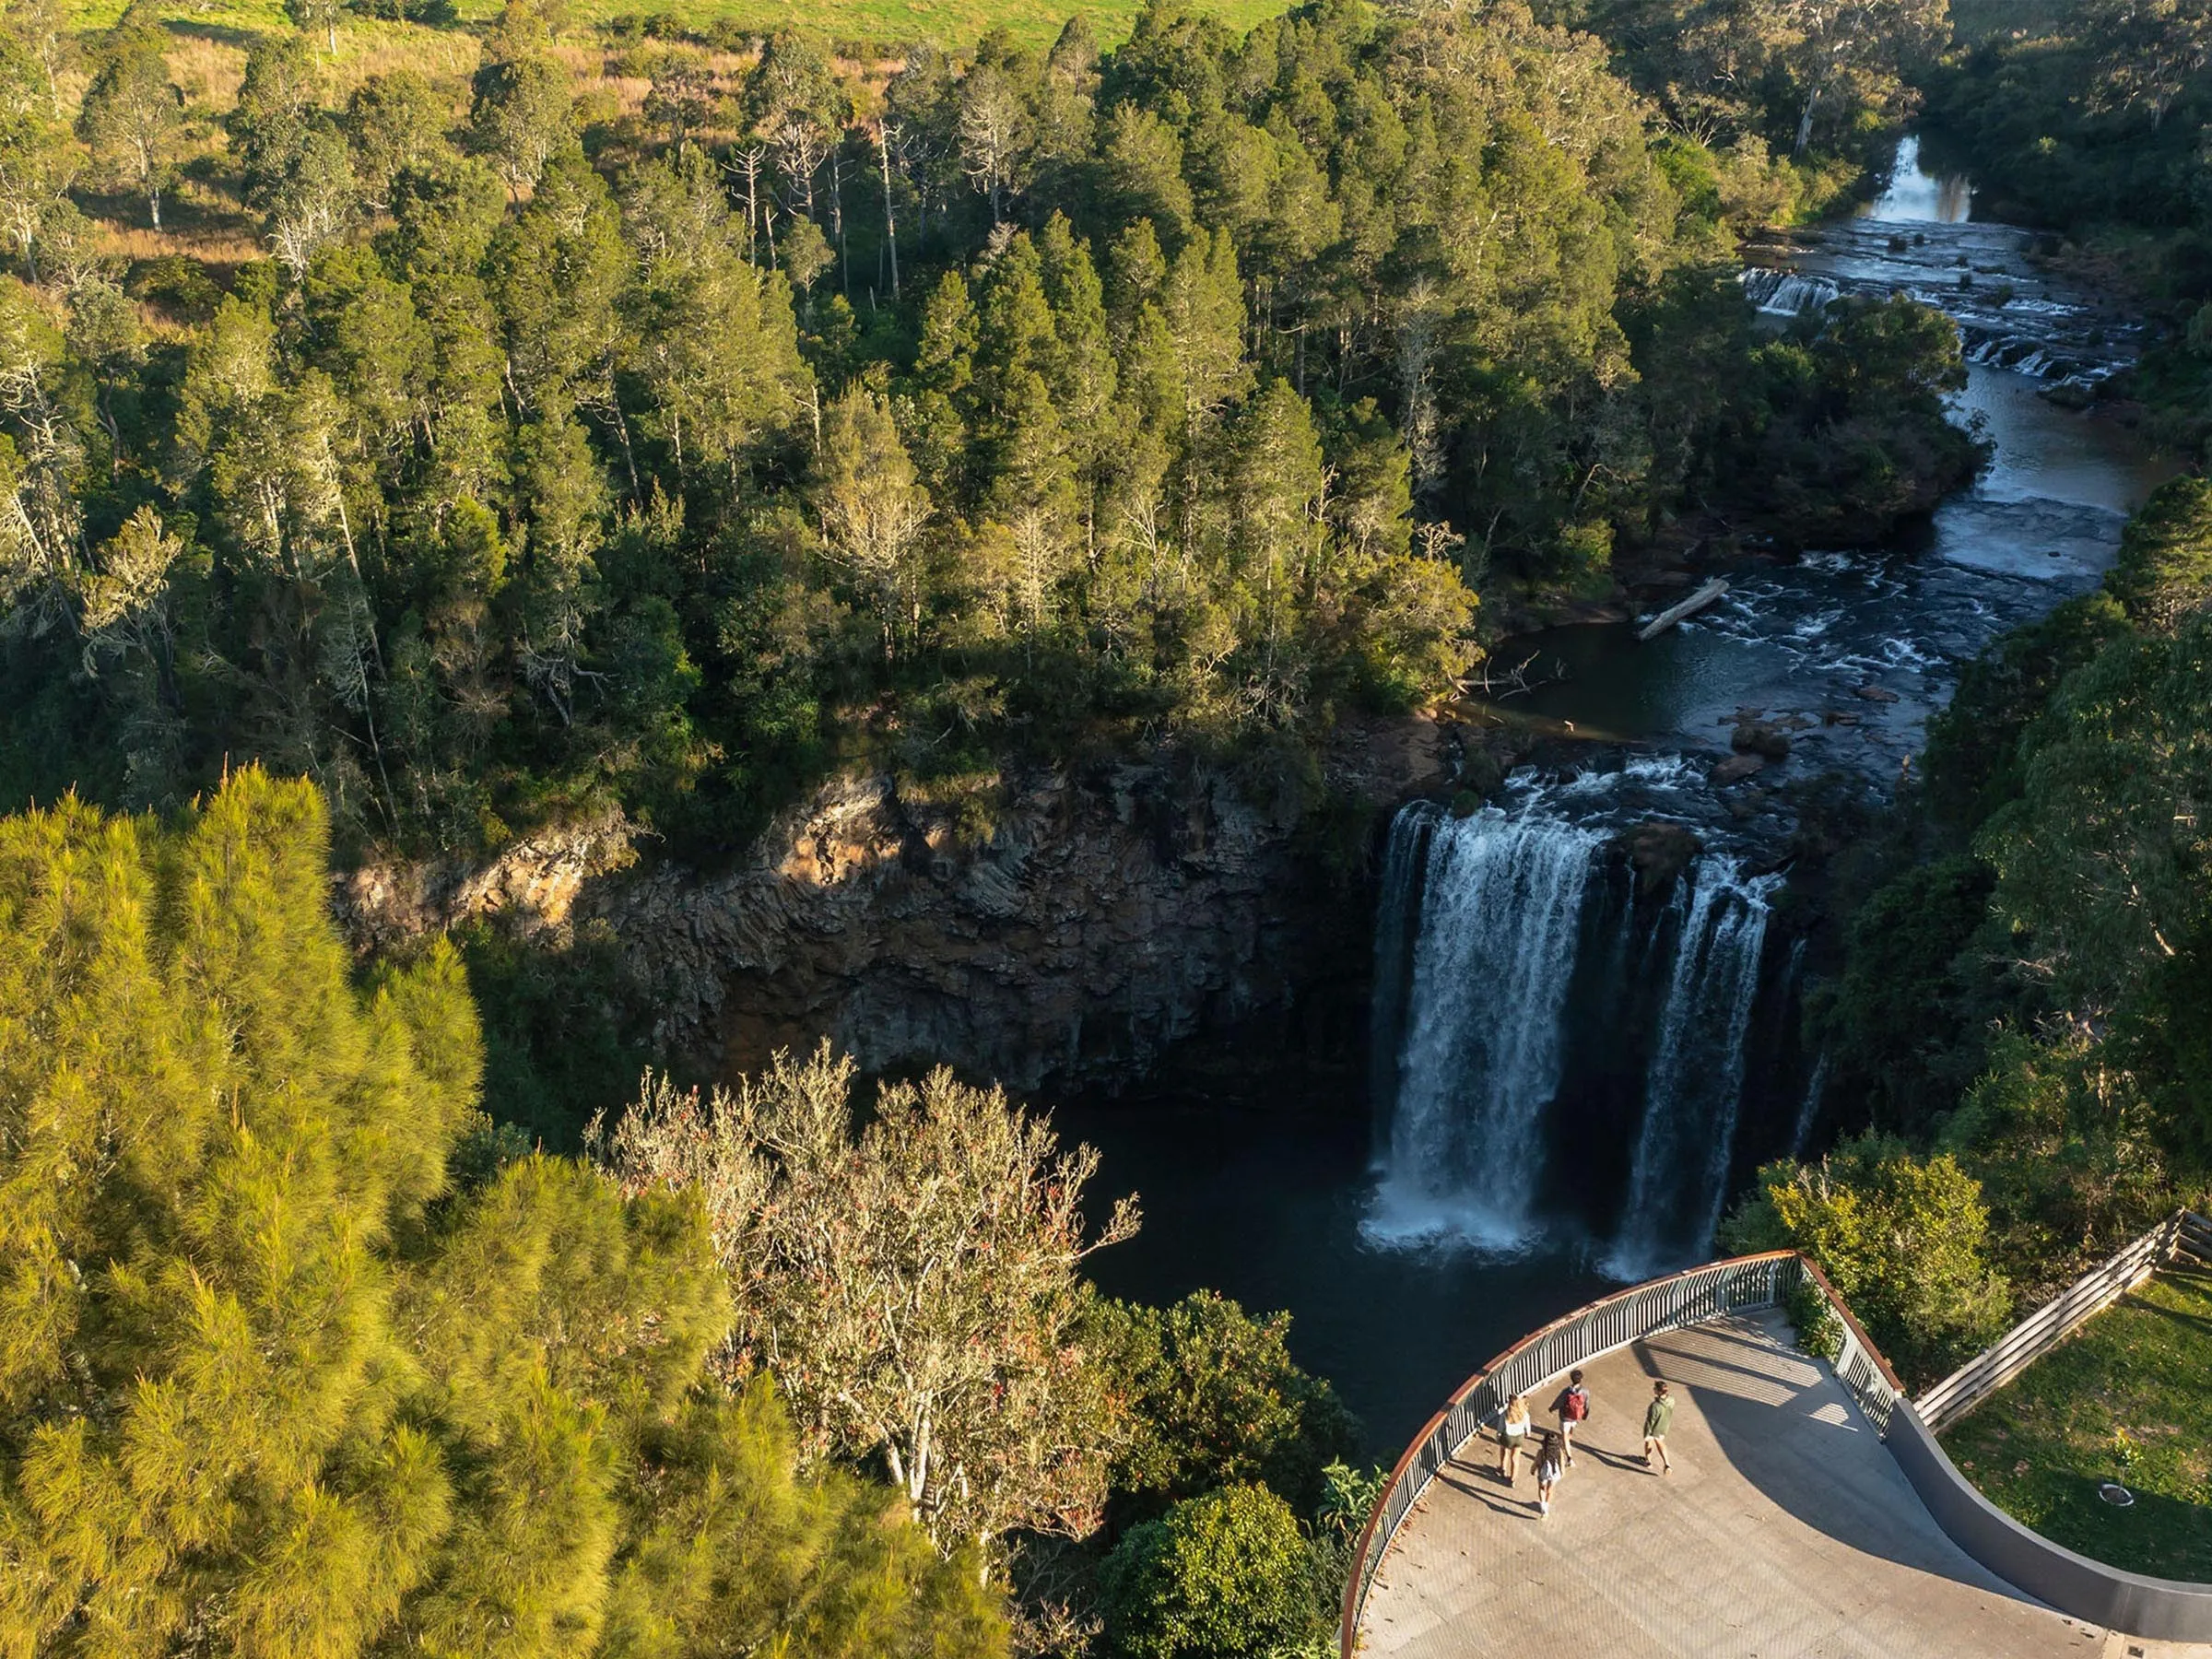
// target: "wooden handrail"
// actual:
[[1943, 1402]]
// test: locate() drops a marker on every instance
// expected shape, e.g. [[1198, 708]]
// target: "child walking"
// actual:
[[1551, 1463]]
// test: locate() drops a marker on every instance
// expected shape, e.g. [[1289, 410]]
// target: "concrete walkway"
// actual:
[[1785, 1530]]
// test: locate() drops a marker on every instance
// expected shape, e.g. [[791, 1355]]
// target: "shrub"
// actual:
[[1901, 1238], [1217, 1401], [1819, 1332], [1225, 1576]]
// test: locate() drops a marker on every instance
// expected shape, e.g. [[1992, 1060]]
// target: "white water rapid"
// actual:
[[1787, 293]]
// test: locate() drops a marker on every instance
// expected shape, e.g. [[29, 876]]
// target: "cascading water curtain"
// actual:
[[1397, 926], [1678, 1179], [1481, 1051]]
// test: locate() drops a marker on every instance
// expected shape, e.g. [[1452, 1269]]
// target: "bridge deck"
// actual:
[[1786, 1529]]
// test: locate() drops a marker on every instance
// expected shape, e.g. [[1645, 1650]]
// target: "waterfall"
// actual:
[[1913, 197], [1809, 1112], [1678, 1179], [1787, 293], [1480, 1059], [1550, 1046], [1394, 935]]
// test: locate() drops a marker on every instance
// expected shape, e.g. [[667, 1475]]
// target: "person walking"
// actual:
[[1658, 1418], [1513, 1432], [1551, 1463], [1572, 1407]]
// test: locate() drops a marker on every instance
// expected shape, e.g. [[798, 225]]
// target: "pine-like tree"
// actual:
[[272, 1385]]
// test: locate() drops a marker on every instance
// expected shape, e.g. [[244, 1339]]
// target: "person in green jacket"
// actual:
[[1658, 1418]]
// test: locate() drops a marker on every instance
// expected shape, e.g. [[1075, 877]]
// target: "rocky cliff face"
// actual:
[[1105, 917]]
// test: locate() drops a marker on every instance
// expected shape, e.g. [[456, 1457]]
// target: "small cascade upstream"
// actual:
[[1920, 238], [1787, 293]]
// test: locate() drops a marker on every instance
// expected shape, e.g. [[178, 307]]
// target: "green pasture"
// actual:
[[883, 23], [2127, 1399]]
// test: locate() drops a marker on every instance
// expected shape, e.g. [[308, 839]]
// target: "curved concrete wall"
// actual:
[[2163, 1609]]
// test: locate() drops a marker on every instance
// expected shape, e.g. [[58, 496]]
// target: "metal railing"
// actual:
[[1741, 1284], [2050, 1324], [1858, 1365]]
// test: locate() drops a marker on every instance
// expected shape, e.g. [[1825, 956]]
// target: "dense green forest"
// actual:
[[486, 423], [300, 1352], [632, 419]]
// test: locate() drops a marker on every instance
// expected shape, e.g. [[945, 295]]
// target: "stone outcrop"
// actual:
[[1753, 737], [1103, 916], [1659, 850], [535, 881], [1735, 768]]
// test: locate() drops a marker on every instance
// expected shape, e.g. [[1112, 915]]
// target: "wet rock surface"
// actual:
[[1660, 850]]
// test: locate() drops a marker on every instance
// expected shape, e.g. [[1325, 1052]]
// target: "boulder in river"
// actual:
[[1660, 849], [1758, 737], [1735, 768], [1881, 694]]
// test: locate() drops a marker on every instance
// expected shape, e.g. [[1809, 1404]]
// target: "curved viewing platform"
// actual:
[[1787, 1528]]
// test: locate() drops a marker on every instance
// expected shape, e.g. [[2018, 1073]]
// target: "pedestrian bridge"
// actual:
[[1787, 1528]]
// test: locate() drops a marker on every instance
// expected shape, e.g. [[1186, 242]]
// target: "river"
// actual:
[[1578, 1069]]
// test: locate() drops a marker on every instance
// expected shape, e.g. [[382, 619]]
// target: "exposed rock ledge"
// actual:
[[1105, 917]]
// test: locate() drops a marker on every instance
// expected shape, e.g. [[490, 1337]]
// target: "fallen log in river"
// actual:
[[1689, 608]]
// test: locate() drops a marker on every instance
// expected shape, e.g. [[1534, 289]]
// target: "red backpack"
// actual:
[[1574, 1405]]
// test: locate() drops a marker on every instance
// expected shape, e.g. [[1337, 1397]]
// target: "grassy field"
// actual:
[[2040, 1447], [205, 219], [885, 23]]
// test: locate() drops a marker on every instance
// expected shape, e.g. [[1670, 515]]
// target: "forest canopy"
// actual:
[[299, 1351], [654, 422]]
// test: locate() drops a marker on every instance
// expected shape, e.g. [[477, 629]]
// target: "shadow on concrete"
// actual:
[[1488, 1489], [1615, 1460], [1862, 1501]]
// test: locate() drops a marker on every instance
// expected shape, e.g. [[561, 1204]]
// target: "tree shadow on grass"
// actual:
[[2180, 1316], [219, 34]]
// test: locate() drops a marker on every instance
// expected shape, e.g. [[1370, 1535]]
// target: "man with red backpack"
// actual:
[[1572, 1407]]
